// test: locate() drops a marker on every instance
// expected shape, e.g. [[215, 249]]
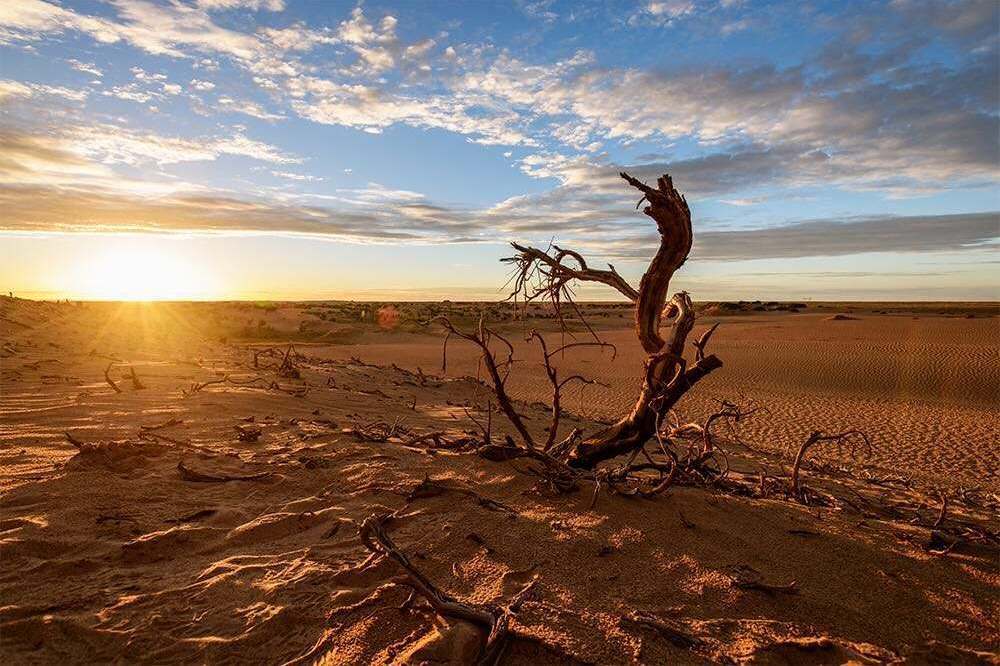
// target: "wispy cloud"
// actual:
[[91, 198], [10, 90]]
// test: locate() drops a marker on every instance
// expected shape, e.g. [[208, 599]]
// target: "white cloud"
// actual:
[[13, 89], [111, 144], [30, 19], [85, 67], [298, 37], [246, 107], [670, 8], [296, 176], [130, 93], [252, 5], [202, 86], [142, 75]]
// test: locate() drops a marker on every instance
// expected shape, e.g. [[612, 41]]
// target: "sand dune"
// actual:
[[136, 543], [925, 389]]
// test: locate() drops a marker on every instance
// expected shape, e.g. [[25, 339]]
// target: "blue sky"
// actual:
[[292, 149]]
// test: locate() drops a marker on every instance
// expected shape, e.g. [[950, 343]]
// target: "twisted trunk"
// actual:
[[667, 376]]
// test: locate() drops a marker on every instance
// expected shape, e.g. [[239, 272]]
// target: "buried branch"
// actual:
[[492, 621]]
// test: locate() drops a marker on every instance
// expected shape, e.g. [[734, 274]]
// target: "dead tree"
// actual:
[[549, 274]]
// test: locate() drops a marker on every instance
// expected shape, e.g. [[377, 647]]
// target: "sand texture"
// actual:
[[207, 510]]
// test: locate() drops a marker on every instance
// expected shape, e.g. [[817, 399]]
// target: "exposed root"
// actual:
[[198, 387], [432, 488]]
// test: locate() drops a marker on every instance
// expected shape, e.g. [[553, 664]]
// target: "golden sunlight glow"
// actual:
[[140, 270]]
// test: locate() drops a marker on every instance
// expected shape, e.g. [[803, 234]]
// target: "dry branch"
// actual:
[[674, 632], [493, 621], [107, 378], [136, 384], [197, 387], [850, 437], [498, 371], [557, 384]]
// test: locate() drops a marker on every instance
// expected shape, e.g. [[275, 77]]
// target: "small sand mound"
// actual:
[[841, 317]]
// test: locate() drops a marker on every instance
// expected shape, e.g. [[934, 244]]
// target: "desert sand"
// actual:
[[165, 498]]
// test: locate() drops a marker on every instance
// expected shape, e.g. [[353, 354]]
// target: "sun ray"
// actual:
[[140, 270]]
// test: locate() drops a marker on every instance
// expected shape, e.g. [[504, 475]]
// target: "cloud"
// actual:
[[109, 145], [103, 211], [252, 5], [30, 19], [539, 9], [670, 8], [42, 162], [835, 237], [372, 109], [882, 119], [296, 176], [247, 108], [661, 12], [85, 67], [67, 182], [871, 111], [10, 90], [298, 37], [202, 86]]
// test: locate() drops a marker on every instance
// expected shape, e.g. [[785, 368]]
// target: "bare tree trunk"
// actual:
[[667, 376]]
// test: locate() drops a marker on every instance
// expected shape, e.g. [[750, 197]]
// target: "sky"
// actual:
[[294, 149]]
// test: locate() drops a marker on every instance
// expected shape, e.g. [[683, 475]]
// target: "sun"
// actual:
[[140, 270]]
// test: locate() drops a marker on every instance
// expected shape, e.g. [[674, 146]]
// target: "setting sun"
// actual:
[[139, 271]]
